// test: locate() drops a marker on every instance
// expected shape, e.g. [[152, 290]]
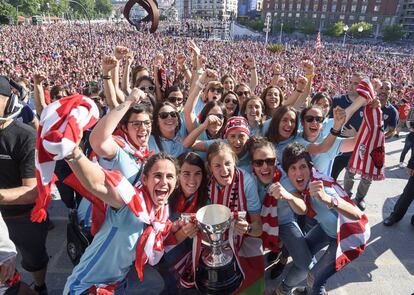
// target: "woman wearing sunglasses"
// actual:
[[312, 119], [253, 110], [175, 96], [168, 130], [236, 189], [324, 101], [273, 184], [231, 103]]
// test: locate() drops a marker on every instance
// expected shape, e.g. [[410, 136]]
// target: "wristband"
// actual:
[[73, 159], [106, 77], [252, 68], [310, 76], [199, 84], [335, 132]]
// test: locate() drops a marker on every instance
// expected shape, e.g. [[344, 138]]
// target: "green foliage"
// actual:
[[288, 28], [308, 27], [256, 24], [393, 33], [7, 9], [275, 48], [367, 30], [336, 29], [103, 7]]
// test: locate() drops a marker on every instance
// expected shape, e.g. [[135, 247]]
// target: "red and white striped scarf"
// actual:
[[121, 138], [352, 236], [369, 155], [156, 237], [270, 223], [58, 134], [231, 195]]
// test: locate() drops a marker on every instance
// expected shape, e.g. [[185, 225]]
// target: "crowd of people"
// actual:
[[136, 129]]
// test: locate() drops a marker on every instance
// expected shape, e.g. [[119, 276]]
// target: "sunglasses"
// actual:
[[138, 124], [234, 101], [149, 88], [165, 115], [310, 119], [245, 93], [260, 162], [174, 99], [220, 116]]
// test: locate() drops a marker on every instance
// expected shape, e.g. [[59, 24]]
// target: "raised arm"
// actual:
[[39, 96], [101, 138], [108, 64], [279, 193], [191, 139], [125, 84], [251, 64], [120, 52], [339, 121], [157, 65], [195, 90], [181, 58]]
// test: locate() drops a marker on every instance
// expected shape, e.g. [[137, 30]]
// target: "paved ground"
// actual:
[[386, 267]]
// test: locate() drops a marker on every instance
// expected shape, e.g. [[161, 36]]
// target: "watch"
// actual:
[[334, 203]]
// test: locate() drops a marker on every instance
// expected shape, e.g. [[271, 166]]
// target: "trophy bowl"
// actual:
[[218, 271]]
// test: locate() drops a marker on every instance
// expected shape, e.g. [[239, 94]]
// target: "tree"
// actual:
[[78, 10], [336, 29], [308, 27], [288, 28], [26, 7], [366, 32], [393, 33], [103, 7], [7, 10]]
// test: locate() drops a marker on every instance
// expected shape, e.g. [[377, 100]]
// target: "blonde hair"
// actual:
[[217, 147]]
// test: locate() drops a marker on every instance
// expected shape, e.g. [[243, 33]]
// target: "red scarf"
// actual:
[[183, 206], [352, 236], [270, 234], [156, 237], [57, 136], [124, 142]]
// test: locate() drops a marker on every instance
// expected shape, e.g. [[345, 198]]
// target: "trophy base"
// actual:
[[218, 280]]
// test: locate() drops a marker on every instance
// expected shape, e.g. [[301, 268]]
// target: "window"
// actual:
[[351, 17], [323, 15], [362, 17], [290, 14], [276, 6], [298, 15], [374, 18], [307, 7], [298, 6], [353, 8], [342, 17], [290, 7], [363, 8], [314, 15], [282, 14], [343, 7], [315, 7], [333, 8], [283, 6], [376, 8], [324, 8]]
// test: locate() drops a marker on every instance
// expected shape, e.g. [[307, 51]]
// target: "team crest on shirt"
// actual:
[[361, 150], [361, 114], [385, 116]]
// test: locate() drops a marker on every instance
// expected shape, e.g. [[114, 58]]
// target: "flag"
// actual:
[[318, 44]]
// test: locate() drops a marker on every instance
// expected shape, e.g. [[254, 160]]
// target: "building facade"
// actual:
[[249, 7], [380, 13], [406, 14]]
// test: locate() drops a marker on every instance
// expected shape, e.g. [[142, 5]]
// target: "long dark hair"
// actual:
[[273, 132], [207, 108], [135, 109], [236, 110], [154, 158], [191, 158], [263, 97], [156, 132]]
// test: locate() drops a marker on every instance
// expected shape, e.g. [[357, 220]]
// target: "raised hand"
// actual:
[[136, 96], [349, 132], [38, 78], [180, 59], [241, 226], [109, 63], [308, 67], [339, 117], [316, 190], [212, 120], [190, 229], [194, 47], [120, 52], [158, 60], [278, 192], [250, 62], [207, 76], [277, 69], [129, 57], [301, 82]]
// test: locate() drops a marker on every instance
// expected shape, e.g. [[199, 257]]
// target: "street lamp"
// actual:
[[87, 16], [17, 8], [346, 28], [281, 31], [48, 9], [267, 24]]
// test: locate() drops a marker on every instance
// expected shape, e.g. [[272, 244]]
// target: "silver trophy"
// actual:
[[218, 271]]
